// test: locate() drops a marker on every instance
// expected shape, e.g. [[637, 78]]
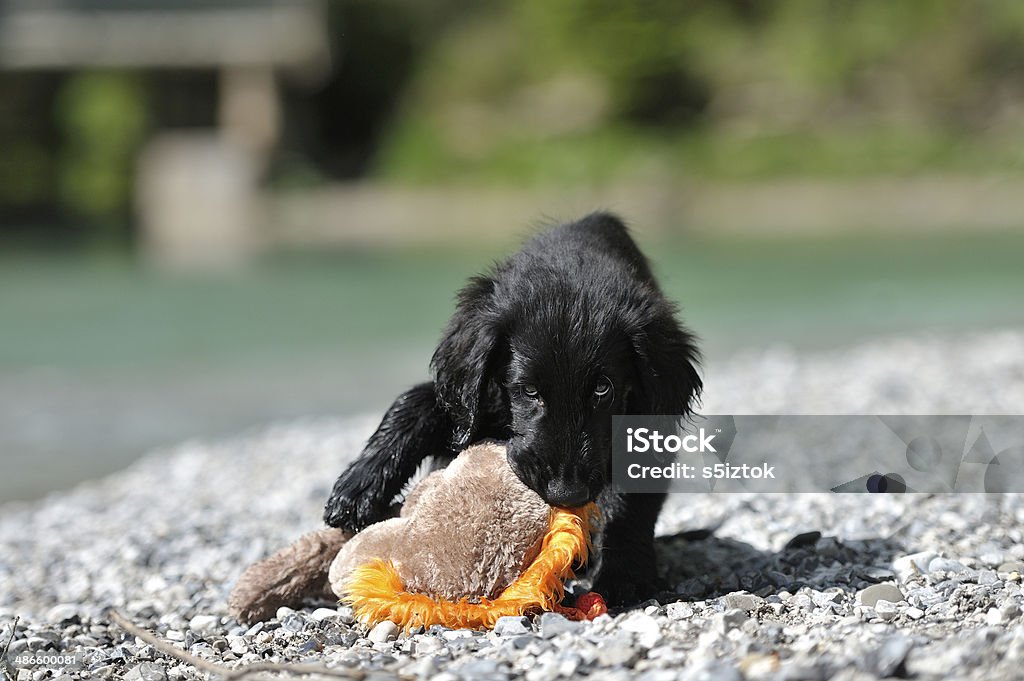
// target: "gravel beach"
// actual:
[[809, 586]]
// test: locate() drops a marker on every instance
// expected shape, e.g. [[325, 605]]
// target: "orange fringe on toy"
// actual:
[[376, 592]]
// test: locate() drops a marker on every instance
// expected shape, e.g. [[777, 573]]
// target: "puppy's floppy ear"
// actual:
[[667, 359], [465, 365]]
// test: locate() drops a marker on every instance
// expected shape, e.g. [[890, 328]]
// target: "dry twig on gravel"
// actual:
[[227, 673]]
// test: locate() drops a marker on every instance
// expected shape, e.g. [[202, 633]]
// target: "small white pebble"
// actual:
[[679, 611], [204, 625], [238, 645], [383, 632], [321, 614]]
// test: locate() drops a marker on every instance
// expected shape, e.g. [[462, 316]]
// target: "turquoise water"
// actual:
[[101, 359]]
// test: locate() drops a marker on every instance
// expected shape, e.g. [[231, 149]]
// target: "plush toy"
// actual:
[[472, 544]]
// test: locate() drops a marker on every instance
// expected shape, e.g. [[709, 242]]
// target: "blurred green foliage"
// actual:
[[584, 90], [533, 92], [26, 158], [103, 120]]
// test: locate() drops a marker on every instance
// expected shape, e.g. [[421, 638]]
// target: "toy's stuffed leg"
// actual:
[[413, 428], [290, 576]]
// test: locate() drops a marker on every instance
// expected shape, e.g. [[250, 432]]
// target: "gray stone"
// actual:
[[512, 626], [238, 645], [941, 564], [466, 646], [383, 632], [479, 669], [658, 675], [927, 597], [552, 624], [889, 657], [204, 625], [880, 592], [43, 640], [340, 637], [424, 668], [887, 610], [802, 601], [147, 671], [759, 665], [457, 634], [293, 623], [878, 574], [987, 577], [742, 601], [321, 614], [713, 670], [618, 651], [1002, 615], [991, 557], [446, 676], [646, 628], [61, 613], [679, 611], [804, 539], [120, 653], [906, 567], [724, 622], [429, 645], [522, 642], [994, 617], [567, 664], [826, 599]]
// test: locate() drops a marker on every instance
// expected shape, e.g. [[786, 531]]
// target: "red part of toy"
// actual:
[[592, 604], [588, 606]]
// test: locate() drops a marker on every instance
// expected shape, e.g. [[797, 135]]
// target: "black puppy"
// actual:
[[542, 352]]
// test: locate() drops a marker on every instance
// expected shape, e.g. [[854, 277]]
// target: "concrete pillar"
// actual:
[[197, 199], [249, 112]]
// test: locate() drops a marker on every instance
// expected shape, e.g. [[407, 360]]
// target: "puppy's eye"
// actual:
[[530, 391], [602, 387]]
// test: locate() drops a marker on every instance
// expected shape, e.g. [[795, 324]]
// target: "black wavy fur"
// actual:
[[541, 352]]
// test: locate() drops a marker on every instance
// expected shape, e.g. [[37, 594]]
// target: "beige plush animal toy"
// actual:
[[472, 544]]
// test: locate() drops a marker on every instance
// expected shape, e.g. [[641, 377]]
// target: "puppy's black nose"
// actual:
[[560, 493]]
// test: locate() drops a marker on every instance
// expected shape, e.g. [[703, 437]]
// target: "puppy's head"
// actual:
[[555, 361], [567, 374]]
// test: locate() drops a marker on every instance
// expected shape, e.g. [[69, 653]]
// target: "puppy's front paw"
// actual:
[[354, 506], [624, 586]]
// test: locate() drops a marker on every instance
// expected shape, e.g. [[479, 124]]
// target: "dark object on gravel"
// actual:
[[804, 539]]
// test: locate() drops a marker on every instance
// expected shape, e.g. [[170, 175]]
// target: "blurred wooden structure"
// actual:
[[204, 216], [367, 214], [58, 34]]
